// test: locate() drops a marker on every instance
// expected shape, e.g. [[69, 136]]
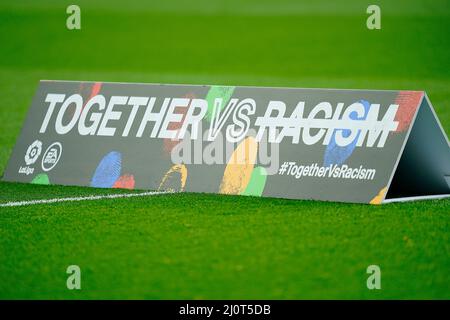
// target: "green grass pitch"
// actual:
[[210, 246]]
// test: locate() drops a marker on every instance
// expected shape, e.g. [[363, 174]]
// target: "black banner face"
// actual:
[[338, 145]]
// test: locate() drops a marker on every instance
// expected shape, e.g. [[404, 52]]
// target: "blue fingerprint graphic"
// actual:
[[108, 170], [335, 154]]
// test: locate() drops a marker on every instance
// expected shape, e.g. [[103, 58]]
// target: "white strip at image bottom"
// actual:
[[87, 198]]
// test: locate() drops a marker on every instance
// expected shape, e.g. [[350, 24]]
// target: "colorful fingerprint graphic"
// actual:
[[257, 183], [41, 178], [378, 199], [223, 92], [89, 90], [175, 179], [169, 144], [238, 172], [108, 170], [335, 154], [408, 102], [125, 181]]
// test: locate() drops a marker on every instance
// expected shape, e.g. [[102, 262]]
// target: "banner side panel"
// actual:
[[425, 162]]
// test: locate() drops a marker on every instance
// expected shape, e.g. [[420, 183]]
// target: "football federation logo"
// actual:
[[51, 156], [33, 152]]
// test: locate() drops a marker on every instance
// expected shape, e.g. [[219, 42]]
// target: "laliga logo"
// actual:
[[33, 152]]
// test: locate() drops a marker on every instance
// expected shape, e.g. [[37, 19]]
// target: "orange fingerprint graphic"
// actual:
[[88, 91], [125, 182], [175, 179], [379, 197], [95, 89], [240, 166], [408, 102]]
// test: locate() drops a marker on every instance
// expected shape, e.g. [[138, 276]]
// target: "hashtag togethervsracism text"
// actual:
[[291, 168]]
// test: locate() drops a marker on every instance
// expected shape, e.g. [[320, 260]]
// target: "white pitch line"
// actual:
[[55, 200]]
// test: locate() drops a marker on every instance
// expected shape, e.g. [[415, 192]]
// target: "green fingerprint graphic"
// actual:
[[41, 178], [214, 92], [257, 183]]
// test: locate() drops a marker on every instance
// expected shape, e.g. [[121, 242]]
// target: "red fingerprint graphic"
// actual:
[[408, 102], [169, 144], [89, 90], [95, 89], [125, 182]]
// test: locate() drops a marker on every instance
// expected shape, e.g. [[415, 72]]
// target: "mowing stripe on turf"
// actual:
[[55, 200]]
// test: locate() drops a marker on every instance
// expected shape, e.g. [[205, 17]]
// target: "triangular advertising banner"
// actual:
[[361, 146]]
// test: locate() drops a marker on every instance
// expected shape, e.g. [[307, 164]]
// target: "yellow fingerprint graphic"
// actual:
[[239, 169], [379, 197], [171, 182]]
